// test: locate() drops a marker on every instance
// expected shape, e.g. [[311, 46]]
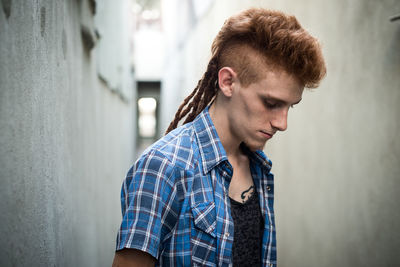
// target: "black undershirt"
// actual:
[[248, 227]]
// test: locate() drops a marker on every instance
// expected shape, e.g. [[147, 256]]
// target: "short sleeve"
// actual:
[[149, 209]]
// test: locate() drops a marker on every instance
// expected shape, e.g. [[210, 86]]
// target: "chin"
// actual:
[[254, 146]]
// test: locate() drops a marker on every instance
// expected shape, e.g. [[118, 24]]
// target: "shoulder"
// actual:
[[168, 158], [179, 148]]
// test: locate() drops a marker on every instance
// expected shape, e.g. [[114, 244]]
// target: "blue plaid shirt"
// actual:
[[175, 202]]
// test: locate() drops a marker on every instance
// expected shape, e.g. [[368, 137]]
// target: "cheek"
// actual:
[[248, 113], [246, 109], [257, 115], [250, 109]]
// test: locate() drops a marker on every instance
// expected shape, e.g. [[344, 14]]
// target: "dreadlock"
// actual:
[[201, 96], [277, 38]]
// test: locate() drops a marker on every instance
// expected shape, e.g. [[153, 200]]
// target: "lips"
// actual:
[[266, 134]]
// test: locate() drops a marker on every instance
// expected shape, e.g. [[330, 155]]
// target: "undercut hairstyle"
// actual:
[[250, 42]]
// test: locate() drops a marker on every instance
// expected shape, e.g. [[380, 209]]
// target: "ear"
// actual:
[[226, 78]]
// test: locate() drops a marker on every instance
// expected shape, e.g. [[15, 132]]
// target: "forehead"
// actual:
[[280, 85]]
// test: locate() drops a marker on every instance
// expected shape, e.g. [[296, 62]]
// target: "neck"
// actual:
[[230, 143]]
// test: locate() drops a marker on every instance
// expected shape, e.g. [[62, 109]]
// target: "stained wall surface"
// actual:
[[337, 167], [66, 139]]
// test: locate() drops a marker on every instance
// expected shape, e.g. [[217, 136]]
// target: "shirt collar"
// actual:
[[211, 150], [259, 157]]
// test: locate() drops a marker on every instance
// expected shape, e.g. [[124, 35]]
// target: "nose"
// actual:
[[279, 122]]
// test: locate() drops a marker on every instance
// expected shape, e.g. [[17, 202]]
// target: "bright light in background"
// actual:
[[201, 7], [136, 8], [147, 104], [148, 41], [147, 116], [150, 14]]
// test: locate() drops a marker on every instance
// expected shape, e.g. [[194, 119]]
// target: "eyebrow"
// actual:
[[268, 97]]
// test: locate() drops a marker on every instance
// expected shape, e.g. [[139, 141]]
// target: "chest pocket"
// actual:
[[204, 217], [203, 234]]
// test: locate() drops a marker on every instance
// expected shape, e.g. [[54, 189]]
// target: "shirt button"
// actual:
[[269, 189], [270, 265], [226, 234]]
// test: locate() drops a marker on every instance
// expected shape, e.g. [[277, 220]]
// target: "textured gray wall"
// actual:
[[65, 140], [338, 165]]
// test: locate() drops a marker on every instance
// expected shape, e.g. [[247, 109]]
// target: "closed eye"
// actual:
[[271, 105], [274, 104]]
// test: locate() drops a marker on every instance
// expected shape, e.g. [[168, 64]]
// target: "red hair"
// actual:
[[252, 40]]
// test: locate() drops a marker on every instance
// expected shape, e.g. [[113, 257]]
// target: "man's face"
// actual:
[[259, 110]]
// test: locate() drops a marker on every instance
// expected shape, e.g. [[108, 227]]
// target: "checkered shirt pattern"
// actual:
[[175, 202]]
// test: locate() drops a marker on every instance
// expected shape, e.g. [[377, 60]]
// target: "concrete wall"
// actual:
[[66, 140], [337, 167]]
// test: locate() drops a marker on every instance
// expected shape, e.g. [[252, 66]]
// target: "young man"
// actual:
[[203, 194]]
